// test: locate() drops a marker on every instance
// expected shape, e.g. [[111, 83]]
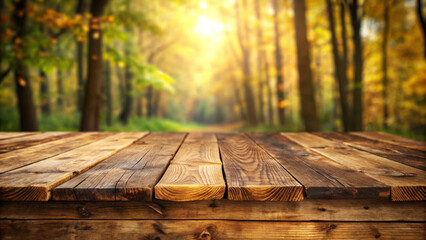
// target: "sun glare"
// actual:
[[208, 27]]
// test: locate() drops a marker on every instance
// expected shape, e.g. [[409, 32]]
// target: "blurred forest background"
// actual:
[[213, 65]]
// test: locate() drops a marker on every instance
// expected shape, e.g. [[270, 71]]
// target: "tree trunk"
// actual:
[[384, 63], [306, 86], [139, 107], [81, 6], [357, 111], [156, 103], [242, 32], [269, 91], [44, 93], [108, 94], [260, 60], [91, 117], [128, 98], [239, 102], [27, 110], [149, 101], [60, 100], [339, 67], [422, 23], [278, 66]]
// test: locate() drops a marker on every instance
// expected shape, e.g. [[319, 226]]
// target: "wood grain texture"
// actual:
[[407, 156], [127, 175], [206, 229], [22, 157], [5, 135], [10, 144], [320, 176], [407, 183], [195, 173], [223, 209], [393, 139], [252, 174], [35, 181]]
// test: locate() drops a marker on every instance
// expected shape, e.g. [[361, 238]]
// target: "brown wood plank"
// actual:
[[407, 183], [407, 156], [6, 135], [127, 175], [252, 174], [22, 157], [195, 173], [223, 209], [207, 229], [35, 181], [320, 176], [10, 144], [393, 139]]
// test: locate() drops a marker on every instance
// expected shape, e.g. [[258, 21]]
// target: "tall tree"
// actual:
[[242, 33], [306, 86], [91, 117], [60, 87], [279, 65], [108, 94], [385, 63], [260, 59], [80, 9], [44, 92], [128, 98], [27, 110], [357, 110], [340, 64], [421, 17]]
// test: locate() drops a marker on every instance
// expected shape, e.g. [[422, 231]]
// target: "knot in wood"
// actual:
[[83, 212]]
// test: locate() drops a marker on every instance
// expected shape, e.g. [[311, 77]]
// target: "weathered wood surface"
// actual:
[[393, 139], [10, 144], [411, 157], [320, 176], [407, 183], [202, 166], [195, 173], [35, 181], [128, 175], [207, 229], [22, 157], [306, 210], [5, 135], [252, 174]]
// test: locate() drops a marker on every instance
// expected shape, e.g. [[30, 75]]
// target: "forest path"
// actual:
[[230, 127]]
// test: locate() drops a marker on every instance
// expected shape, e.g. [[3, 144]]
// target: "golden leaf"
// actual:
[[95, 35], [18, 40], [22, 82], [121, 64], [284, 103]]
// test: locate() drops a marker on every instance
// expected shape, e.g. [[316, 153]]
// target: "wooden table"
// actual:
[[93, 185]]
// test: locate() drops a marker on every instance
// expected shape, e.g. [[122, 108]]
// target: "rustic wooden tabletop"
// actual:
[[204, 166]]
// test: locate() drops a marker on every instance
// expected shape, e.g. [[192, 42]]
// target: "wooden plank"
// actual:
[[195, 173], [223, 209], [406, 183], [127, 175], [393, 139], [252, 174], [35, 181], [10, 144], [22, 157], [5, 135], [207, 229], [320, 176], [407, 156]]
